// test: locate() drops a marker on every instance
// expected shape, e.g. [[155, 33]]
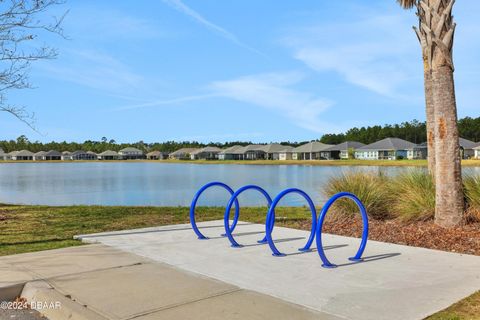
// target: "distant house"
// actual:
[[182, 154], [53, 155], [310, 151], [467, 148], [66, 156], [23, 155], [341, 151], [230, 153], [108, 155], [253, 152], [387, 149], [477, 151], [131, 153], [157, 155], [2, 154], [207, 153], [80, 155], [277, 151], [39, 156]]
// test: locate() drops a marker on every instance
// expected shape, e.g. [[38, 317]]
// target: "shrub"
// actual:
[[369, 188], [471, 186], [412, 195]]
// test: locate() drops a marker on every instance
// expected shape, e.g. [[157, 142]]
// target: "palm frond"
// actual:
[[407, 4]]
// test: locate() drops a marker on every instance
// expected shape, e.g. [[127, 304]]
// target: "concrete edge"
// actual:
[[11, 292]]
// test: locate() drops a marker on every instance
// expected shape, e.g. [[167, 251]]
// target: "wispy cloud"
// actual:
[[96, 70], [166, 102], [183, 8], [371, 53], [274, 91]]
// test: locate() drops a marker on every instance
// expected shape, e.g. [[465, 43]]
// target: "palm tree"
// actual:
[[436, 33]]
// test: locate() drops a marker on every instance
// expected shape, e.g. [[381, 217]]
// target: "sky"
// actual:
[[249, 70]]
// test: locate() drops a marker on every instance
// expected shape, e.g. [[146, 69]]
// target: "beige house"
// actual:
[[277, 151], [131, 153], [157, 155], [230, 153], [310, 151], [467, 148], [23, 155], [182, 154], [477, 151], [207, 153], [108, 155], [39, 156]]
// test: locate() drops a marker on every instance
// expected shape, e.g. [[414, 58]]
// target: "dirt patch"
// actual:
[[465, 239]]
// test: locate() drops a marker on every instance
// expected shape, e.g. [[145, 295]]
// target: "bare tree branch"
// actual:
[[22, 23]]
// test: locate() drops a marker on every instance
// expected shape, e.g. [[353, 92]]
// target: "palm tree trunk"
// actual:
[[430, 112], [449, 205]]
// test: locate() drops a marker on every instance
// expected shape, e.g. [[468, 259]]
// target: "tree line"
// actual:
[[414, 131]]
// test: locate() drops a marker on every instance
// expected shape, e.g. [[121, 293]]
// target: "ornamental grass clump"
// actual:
[[412, 195], [471, 185], [370, 188]]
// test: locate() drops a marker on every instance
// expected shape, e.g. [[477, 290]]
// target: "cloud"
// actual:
[[376, 54], [166, 102], [183, 8], [96, 70], [273, 91]]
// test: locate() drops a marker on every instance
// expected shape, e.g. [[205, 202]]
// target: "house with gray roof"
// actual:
[[310, 151], [342, 151], [477, 151], [182, 154], [66, 156], [108, 155], [53, 155], [207, 153], [80, 155], [131, 153], [253, 152], [39, 156], [467, 148], [275, 151], [23, 155], [230, 153], [157, 155], [387, 149]]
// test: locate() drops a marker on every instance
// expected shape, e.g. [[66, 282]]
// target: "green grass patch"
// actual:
[[466, 309]]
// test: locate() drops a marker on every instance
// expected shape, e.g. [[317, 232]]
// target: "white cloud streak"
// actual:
[[183, 8]]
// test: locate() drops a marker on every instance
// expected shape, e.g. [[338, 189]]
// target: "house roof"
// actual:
[[130, 149], [477, 146], [154, 153], [207, 149], [108, 153], [250, 147], [39, 154], [314, 146], [66, 153], [390, 144], [53, 153], [92, 153], [183, 151], [345, 146], [467, 144], [231, 149], [23, 153], [275, 147], [77, 152]]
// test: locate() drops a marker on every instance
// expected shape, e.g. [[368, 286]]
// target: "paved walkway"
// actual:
[[97, 282], [394, 282]]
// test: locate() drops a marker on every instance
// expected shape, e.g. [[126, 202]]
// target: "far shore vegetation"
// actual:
[[413, 131]]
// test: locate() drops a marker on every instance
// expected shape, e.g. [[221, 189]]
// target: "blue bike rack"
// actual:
[[194, 204], [317, 226], [321, 219], [233, 199], [271, 220]]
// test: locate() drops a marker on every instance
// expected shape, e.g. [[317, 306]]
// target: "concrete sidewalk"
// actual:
[[394, 282], [100, 282]]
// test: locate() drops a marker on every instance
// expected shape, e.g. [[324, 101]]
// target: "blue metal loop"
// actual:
[[229, 230], [194, 204], [271, 220], [321, 219]]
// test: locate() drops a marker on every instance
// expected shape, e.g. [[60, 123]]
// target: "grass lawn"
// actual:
[[35, 228]]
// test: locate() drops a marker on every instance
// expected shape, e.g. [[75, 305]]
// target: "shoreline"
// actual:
[[325, 163]]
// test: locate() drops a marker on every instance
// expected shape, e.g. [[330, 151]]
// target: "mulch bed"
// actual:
[[426, 234]]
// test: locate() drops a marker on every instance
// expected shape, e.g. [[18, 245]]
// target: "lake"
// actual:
[[160, 184]]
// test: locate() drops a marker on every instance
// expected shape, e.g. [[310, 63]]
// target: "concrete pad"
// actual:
[[51, 263], [394, 282], [127, 292], [238, 305]]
